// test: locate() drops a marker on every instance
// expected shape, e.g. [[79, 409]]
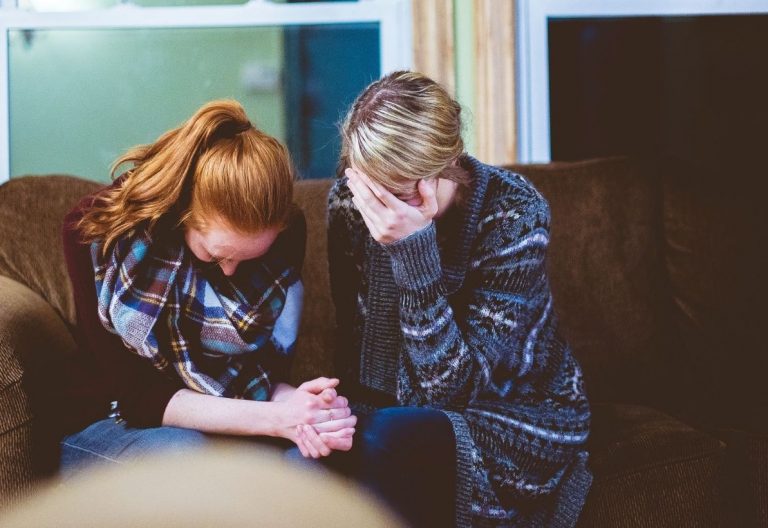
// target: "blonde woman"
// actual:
[[472, 408], [186, 279]]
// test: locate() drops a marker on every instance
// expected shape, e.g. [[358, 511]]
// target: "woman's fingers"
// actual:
[[330, 414], [339, 442], [301, 444], [341, 433], [318, 385], [328, 395], [334, 401], [336, 425], [387, 217], [339, 403], [366, 199], [378, 190], [373, 227], [360, 188], [317, 447], [311, 449]]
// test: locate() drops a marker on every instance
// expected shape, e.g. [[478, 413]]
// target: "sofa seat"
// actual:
[[650, 470], [746, 473]]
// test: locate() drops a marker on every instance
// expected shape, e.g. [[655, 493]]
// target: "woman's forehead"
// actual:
[[219, 238]]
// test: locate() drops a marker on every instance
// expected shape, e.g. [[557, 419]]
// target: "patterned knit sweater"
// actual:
[[459, 317]]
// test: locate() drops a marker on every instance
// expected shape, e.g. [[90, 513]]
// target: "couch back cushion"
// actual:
[[716, 226], [607, 274], [31, 251]]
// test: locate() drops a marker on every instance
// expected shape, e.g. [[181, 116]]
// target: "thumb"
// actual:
[[328, 395], [318, 385]]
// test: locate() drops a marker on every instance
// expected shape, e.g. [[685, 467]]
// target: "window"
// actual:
[[582, 31], [84, 86]]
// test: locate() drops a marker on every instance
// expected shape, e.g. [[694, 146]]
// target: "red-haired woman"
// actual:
[[188, 295]]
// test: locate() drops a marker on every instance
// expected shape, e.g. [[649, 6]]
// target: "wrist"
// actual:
[[276, 420], [282, 392], [262, 418], [416, 259]]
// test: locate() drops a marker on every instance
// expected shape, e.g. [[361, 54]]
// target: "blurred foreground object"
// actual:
[[226, 486]]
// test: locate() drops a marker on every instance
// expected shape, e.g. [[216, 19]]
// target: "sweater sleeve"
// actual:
[[452, 350], [142, 391]]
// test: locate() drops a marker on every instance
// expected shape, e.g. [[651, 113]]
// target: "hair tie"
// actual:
[[230, 129]]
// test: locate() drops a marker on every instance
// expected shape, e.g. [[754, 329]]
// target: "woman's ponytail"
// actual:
[[164, 173]]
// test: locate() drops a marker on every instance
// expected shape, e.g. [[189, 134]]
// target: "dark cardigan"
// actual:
[[466, 325]]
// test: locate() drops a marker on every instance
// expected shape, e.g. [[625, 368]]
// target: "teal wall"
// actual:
[[78, 99], [464, 55]]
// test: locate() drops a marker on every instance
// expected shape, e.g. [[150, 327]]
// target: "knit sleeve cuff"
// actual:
[[416, 259]]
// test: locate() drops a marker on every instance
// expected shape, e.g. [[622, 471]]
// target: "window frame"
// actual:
[[393, 17]]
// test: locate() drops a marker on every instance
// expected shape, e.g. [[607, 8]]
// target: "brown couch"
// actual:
[[655, 275]]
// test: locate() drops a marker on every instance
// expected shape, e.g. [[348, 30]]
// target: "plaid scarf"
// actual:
[[214, 331]]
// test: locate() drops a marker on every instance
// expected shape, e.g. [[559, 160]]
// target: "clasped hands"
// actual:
[[316, 418]]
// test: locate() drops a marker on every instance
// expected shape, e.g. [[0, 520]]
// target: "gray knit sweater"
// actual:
[[459, 317]]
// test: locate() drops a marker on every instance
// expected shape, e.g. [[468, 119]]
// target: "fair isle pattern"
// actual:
[[215, 332], [478, 338]]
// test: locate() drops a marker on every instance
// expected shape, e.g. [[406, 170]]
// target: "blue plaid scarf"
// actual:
[[214, 331]]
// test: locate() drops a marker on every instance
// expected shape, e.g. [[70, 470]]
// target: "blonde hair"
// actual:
[[403, 128], [216, 164]]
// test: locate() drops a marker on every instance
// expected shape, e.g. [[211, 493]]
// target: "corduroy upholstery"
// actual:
[[622, 276], [606, 268]]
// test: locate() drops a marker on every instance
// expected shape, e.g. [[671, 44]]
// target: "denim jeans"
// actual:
[[405, 455], [111, 442]]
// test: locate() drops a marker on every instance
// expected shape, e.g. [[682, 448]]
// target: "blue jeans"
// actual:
[[406, 456], [110, 442]]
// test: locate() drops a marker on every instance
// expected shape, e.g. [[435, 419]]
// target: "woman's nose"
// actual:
[[228, 268]]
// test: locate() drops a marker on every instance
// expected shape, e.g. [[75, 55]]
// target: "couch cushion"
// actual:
[[650, 470], [17, 475], [716, 226], [31, 212], [607, 273], [630, 438], [671, 496], [746, 476]]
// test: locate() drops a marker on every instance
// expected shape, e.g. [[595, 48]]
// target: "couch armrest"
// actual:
[[31, 333]]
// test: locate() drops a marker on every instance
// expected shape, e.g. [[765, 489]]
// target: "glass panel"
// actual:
[[79, 98], [65, 5], [84, 5], [164, 3]]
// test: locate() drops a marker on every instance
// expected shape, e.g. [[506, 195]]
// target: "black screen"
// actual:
[[691, 87]]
